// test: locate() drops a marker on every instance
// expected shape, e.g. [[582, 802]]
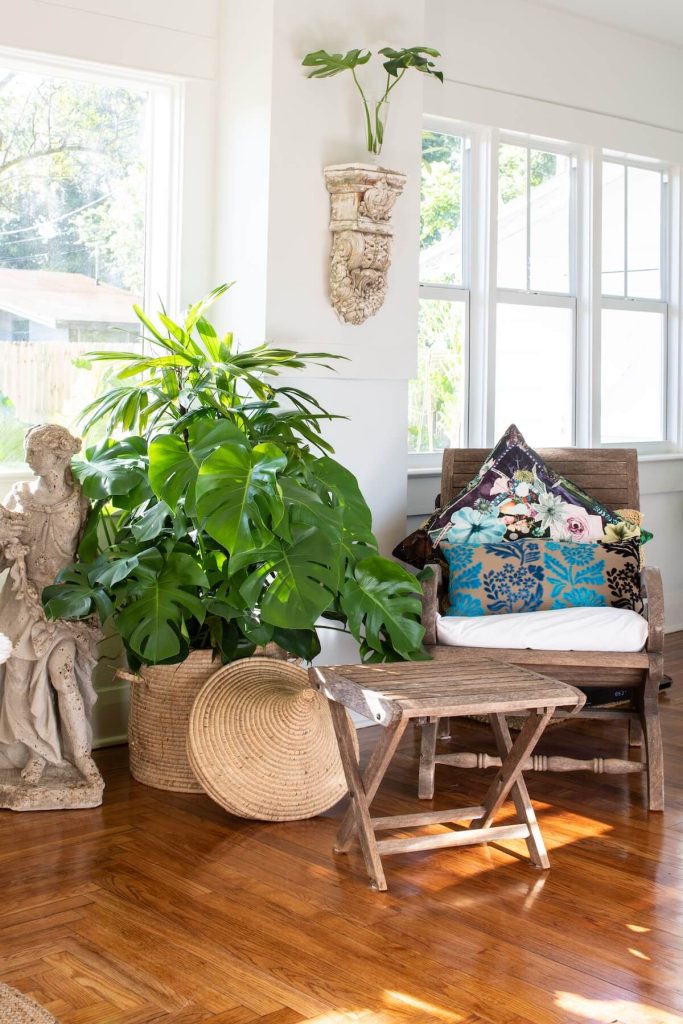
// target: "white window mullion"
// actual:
[[594, 275]]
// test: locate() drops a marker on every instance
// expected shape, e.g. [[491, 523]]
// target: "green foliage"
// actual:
[[436, 395], [72, 178], [440, 187], [512, 170], [223, 521], [327, 65]]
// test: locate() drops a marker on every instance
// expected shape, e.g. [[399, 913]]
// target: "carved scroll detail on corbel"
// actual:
[[362, 199]]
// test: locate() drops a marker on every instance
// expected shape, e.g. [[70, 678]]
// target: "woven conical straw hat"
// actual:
[[262, 744], [16, 1008]]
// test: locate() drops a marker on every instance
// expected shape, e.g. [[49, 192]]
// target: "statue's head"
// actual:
[[49, 447]]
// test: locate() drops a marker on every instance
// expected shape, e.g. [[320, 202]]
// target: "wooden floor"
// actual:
[[160, 907]]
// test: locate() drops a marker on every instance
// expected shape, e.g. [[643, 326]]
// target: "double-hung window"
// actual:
[[547, 295], [438, 395], [535, 321], [634, 319], [86, 166]]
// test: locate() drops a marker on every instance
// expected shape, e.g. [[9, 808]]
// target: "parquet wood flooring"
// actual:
[[159, 908]]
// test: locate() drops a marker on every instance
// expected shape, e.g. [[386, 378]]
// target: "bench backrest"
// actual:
[[608, 474]]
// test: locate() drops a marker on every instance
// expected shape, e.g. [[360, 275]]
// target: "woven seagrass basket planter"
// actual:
[[161, 699]]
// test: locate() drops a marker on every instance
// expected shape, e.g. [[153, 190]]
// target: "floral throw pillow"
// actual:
[[515, 495], [541, 575]]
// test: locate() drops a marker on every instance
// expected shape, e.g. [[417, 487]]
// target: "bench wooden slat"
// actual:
[[610, 475]]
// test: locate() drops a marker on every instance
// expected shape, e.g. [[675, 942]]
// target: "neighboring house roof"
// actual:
[[57, 299]]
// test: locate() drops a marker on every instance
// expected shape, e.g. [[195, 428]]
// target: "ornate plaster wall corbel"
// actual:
[[362, 199]]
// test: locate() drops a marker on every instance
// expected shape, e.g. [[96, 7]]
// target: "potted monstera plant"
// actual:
[[220, 522]]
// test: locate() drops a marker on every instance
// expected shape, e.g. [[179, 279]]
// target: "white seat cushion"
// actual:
[[566, 629]]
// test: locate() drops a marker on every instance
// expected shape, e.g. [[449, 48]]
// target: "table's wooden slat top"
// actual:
[[456, 688]]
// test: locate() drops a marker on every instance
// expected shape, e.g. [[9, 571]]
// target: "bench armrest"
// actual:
[[430, 601], [653, 596]]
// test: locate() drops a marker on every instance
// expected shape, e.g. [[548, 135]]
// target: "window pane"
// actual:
[[441, 209], [72, 243], [632, 375], [613, 185], [550, 198], [644, 233], [437, 394], [512, 217], [534, 372]]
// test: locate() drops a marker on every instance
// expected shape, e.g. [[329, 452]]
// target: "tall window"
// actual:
[[535, 303], [634, 304], [545, 294], [437, 396], [73, 188]]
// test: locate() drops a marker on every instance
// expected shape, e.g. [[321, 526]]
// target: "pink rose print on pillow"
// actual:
[[577, 525]]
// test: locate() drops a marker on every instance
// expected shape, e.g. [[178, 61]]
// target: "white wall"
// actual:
[[300, 127], [518, 65], [524, 48]]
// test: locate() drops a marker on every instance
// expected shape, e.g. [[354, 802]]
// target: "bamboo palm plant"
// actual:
[[219, 517]]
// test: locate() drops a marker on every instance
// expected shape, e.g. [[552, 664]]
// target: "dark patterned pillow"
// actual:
[[516, 495], [541, 575]]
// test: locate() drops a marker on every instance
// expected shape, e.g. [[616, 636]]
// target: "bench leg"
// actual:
[[520, 795], [427, 766], [652, 734]]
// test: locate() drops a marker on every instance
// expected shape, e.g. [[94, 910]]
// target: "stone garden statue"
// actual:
[[46, 691]]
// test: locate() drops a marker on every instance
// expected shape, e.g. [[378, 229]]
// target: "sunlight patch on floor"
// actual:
[[405, 1015], [402, 1001], [614, 1011], [638, 954]]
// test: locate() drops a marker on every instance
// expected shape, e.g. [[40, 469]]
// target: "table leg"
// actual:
[[511, 768], [520, 795], [359, 800], [374, 773]]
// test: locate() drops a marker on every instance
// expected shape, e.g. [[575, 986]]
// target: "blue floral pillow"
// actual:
[[540, 575]]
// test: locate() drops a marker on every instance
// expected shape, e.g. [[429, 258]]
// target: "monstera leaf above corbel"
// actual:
[[362, 196]]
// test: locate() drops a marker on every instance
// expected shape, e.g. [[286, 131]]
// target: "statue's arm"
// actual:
[[12, 526]]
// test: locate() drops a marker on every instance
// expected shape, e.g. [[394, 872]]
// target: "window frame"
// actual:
[[454, 292], [164, 157], [585, 297], [534, 296], [634, 303]]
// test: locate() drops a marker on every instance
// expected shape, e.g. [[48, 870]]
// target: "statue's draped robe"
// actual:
[[29, 716]]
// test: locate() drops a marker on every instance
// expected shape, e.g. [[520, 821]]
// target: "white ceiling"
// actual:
[[656, 19]]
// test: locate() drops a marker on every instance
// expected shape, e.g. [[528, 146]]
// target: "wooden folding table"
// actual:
[[393, 694]]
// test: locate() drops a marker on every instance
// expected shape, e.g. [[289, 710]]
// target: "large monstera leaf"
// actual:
[[161, 595], [238, 498], [382, 600], [115, 471], [174, 462], [295, 582], [75, 595], [353, 539]]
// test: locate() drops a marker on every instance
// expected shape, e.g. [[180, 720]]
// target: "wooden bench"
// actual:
[[393, 695], [610, 476]]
